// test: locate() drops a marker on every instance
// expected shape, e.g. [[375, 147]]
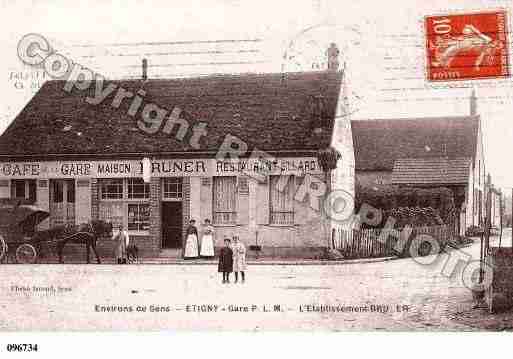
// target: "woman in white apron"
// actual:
[[191, 241], [207, 240]]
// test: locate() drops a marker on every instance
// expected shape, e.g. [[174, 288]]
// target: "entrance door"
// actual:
[[62, 202], [172, 225]]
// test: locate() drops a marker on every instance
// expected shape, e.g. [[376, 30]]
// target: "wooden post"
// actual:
[[485, 237], [327, 218], [500, 217], [488, 220], [481, 260]]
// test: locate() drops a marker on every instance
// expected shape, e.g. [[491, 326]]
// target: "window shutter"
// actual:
[[243, 209], [300, 208], [242, 200], [195, 204], [83, 201], [262, 199], [206, 199], [5, 191]]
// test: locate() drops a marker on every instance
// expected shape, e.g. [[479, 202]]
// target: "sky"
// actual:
[[382, 47]]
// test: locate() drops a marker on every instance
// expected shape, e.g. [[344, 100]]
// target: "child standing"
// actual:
[[226, 261], [239, 259]]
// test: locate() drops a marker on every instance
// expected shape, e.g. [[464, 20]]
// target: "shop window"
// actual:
[[32, 190], [125, 202], [58, 191], [111, 188], [138, 189], [138, 217], [112, 212], [224, 198], [172, 188], [281, 195], [18, 189], [24, 189], [70, 189]]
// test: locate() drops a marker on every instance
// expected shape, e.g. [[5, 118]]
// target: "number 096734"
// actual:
[[22, 347]]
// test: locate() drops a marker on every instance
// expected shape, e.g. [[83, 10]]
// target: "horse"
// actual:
[[87, 234]]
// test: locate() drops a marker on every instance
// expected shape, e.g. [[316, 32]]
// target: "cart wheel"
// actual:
[[26, 254], [424, 249], [3, 248]]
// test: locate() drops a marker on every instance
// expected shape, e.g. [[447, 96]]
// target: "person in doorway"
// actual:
[[122, 240], [239, 259], [191, 241], [207, 240], [226, 261]]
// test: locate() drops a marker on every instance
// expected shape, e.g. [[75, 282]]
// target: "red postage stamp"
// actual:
[[467, 46]]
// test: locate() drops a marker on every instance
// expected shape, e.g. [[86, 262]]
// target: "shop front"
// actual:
[[154, 162], [243, 198]]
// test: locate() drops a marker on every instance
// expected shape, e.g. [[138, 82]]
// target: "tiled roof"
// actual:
[[272, 112], [431, 171], [379, 143]]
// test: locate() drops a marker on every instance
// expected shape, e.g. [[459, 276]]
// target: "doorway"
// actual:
[[62, 202], [172, 225]]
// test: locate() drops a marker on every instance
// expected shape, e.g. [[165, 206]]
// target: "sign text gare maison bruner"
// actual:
[[159, 168]]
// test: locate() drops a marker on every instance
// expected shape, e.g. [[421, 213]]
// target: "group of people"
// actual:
[[232, 257], [193, 249]]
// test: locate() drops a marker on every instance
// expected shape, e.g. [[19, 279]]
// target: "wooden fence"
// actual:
[[366, 243]]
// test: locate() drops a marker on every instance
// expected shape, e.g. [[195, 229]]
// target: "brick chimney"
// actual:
[[144, 69], [332, 54]]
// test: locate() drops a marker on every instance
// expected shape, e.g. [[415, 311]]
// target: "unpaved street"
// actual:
[[392, 295]]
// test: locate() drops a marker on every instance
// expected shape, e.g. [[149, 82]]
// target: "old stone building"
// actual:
[[152, 154], [426, 152]]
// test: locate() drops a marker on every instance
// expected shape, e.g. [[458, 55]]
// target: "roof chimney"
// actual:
[[332, 54], [144, 69], [473, 103]]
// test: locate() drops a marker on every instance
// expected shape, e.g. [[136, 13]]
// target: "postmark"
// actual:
[[467, 46], [323, 46]]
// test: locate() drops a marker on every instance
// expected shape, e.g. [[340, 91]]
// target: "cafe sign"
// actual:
[[158, 168]]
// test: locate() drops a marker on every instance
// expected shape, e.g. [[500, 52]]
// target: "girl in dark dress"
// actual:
[[226, 261]]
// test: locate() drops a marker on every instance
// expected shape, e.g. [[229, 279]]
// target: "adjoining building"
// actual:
[[426, 152], [81, 158]]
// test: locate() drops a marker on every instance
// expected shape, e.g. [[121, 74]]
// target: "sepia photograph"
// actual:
[[236, 166]]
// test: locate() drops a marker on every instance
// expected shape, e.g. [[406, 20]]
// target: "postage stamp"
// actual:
[[467, 46]]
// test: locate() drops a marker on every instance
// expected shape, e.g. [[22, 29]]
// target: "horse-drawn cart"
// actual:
[[21, 243], [17, 228]]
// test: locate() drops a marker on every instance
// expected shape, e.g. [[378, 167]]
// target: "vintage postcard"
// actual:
[[255, 166]]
